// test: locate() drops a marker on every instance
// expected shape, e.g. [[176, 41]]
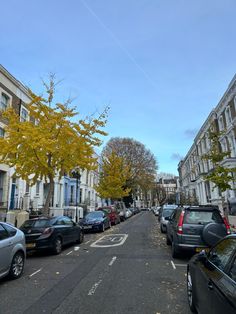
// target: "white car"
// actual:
[[12, 251]]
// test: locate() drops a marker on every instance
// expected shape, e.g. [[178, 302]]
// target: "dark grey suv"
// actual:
[[195, 228]]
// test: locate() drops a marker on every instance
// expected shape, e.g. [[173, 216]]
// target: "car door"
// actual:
[[223, 285], [212, 282], [6, 246], [71, 230]]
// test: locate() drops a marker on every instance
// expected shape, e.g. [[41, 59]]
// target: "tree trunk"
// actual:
[[46, 209]]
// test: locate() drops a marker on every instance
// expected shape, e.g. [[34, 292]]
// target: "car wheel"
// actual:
[[80, 238], [162, 229], [57, 246], [213, 232], [191, 301], [174, 251], [168, 242], [17, 265]]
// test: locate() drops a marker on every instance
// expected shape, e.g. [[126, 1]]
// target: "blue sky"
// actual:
[[161, 65]]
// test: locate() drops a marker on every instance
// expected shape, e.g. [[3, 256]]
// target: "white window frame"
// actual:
[[228, 116], [24, 119], [9, 99], [221, 123]]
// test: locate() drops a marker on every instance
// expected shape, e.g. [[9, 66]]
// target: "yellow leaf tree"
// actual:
[[50, 143], [113, 177]]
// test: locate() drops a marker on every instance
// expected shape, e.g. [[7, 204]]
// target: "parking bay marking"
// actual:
[[112, 260], [110, 240], [37, 271], [178, 265], [94, 287]]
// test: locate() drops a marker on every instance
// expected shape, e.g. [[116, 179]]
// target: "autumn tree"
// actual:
[[51, 143], [220, 175], [137, 158], [113, 177], [159, 193]]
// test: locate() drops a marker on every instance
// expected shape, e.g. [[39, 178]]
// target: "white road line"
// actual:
[[69, 253], [94, 287], [87, 242], [76, 248], [37, 271], [112, 260], [120, 237], [181, 265], [173, 265]]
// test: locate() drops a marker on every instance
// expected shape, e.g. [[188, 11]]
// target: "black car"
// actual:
[[211, 279], [96, 221], [195, 228], [51, 233]]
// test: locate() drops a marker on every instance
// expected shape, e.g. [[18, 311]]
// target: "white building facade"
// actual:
[[193, 168]]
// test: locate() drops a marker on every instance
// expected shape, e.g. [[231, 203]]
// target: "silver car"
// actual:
[[12, 251]]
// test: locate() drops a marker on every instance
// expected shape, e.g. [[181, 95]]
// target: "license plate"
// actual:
[[87, 227], [30, 245], [199, 249]]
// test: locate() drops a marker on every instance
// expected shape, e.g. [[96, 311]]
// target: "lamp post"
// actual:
[[77, 176]]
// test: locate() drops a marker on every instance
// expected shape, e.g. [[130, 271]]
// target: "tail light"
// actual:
[[227, 225], [180, 223]]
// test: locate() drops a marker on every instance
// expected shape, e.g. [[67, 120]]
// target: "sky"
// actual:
[[160, 65]]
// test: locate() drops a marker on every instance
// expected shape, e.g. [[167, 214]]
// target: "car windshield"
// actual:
[[40, 223], [196, 217], [167, 212], [97, 214]]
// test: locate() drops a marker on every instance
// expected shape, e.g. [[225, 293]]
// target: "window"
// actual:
[[221, 123], [2, 132], [24, 115], [3, 233], [11, 231], [228, 115], [232, 272], [4, 101], [221, 253], [27, 188], [37, 187]]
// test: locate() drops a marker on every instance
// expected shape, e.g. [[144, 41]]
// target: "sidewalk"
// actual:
[[232, 222]]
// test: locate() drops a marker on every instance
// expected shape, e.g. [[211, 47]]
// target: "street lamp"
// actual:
[[76, 174]]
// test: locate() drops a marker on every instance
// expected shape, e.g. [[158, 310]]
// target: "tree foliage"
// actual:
[[50, 143], [159, 193], [221, 176], [137, 158], [113, 177]]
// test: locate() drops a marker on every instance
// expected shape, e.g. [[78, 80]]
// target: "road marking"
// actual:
[[173, 265], [69, 253], [114, 239], [181, 265], [76, 248], [87, 242], [112, 260], [37, 271], [94, 287]]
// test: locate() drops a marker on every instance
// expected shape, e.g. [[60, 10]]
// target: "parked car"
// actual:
[[195, 228], [112, 213], [51, 233], [166, 212], [211, 279], [12, 251], [96, 221], [134, 210], [128, 213]]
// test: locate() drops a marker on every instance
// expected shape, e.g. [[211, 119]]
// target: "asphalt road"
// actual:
[[126, 269]]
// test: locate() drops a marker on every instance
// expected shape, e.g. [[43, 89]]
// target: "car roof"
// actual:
[[202, 208]]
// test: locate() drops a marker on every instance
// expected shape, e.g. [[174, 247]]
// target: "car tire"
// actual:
[[80, 238], [213, 232], [168, 242], [57, 248], [174, 251], [190, 295], [162, 229], [17, 265]]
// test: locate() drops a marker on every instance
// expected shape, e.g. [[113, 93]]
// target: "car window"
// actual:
[[232, 272], [40, 223], [3, 233], [68, 221], [222, 252], [60, 221], [10, 230], [197, 216], [167, 212]]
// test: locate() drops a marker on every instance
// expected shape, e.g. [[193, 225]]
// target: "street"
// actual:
[[126, 269]]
